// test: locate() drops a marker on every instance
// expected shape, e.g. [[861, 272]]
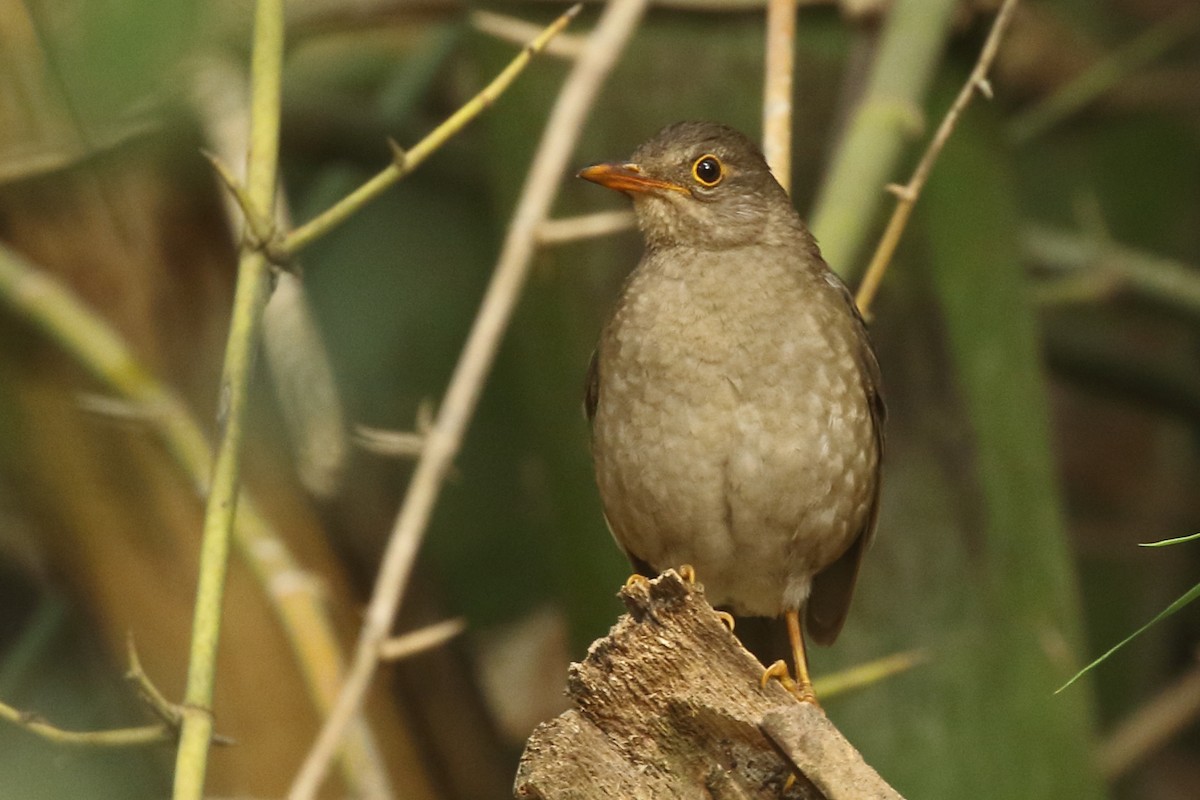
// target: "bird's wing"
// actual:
[[833, 587], [591, 396], [591, 386]]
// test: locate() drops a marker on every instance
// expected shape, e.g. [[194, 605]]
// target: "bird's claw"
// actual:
[[688, 573], [779, 672], [725, 617], [635, 580], [801, 690]]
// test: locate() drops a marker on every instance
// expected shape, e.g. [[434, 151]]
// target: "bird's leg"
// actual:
[[802, 688]]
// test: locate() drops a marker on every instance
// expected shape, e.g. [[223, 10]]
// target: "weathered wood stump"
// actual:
[[669, 704]]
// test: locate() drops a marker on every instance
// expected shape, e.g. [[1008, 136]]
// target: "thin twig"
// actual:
[[616, 24], [167, 711], [517, 31], [397, 444], [418, 641], [862, 675], [118, 737], [259, 230], [393, 444], [250, 298], [164, 731], [585, 226], [777, 89], [907, 195], [170, 713], [405, 161]]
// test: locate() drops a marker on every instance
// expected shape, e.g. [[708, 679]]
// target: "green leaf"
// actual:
[[1023, 590], [1188, 596], [1165, 542]]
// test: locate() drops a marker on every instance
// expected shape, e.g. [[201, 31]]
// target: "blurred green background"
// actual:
[[1044, 394]]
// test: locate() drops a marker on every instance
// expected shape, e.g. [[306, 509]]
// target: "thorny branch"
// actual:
[[907, 194]]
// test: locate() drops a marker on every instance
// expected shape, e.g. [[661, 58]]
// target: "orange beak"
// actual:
[[627, 178]]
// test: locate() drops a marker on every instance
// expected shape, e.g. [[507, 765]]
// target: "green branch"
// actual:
[[405, 161], [1190, 596], [118, 737], [249, 300]]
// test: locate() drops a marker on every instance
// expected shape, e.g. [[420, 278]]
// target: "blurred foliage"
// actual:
[[1014, 495], [1026, 591]]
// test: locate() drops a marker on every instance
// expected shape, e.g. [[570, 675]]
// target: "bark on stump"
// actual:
[[669, 704]]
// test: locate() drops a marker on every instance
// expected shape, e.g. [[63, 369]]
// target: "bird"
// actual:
[[734, 397]]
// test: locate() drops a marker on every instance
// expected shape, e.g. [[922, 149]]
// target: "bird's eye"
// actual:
[[707, 170]]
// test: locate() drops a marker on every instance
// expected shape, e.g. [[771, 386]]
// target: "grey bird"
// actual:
[[734, 396]]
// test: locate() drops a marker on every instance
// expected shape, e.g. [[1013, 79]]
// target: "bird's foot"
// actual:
[[779, 672], [636, 579], [801, 690], [727, 618], [686, 571], [804, 693]]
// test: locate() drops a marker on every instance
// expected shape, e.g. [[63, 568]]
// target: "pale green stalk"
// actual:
[[245, 330]]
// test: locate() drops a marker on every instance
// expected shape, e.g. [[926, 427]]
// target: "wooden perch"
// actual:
[[669, 704]]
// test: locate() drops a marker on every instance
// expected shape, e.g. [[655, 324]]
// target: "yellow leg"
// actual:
[[803, 686]]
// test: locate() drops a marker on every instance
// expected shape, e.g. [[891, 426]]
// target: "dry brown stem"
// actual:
[[777, 89], [907, 195], [444, 439]]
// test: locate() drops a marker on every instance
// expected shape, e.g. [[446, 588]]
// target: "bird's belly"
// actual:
[[757, 486]]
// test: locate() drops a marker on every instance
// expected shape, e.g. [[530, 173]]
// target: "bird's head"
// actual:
[[700, 184]]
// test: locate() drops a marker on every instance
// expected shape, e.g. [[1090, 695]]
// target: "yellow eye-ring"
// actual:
[[707, 170]]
